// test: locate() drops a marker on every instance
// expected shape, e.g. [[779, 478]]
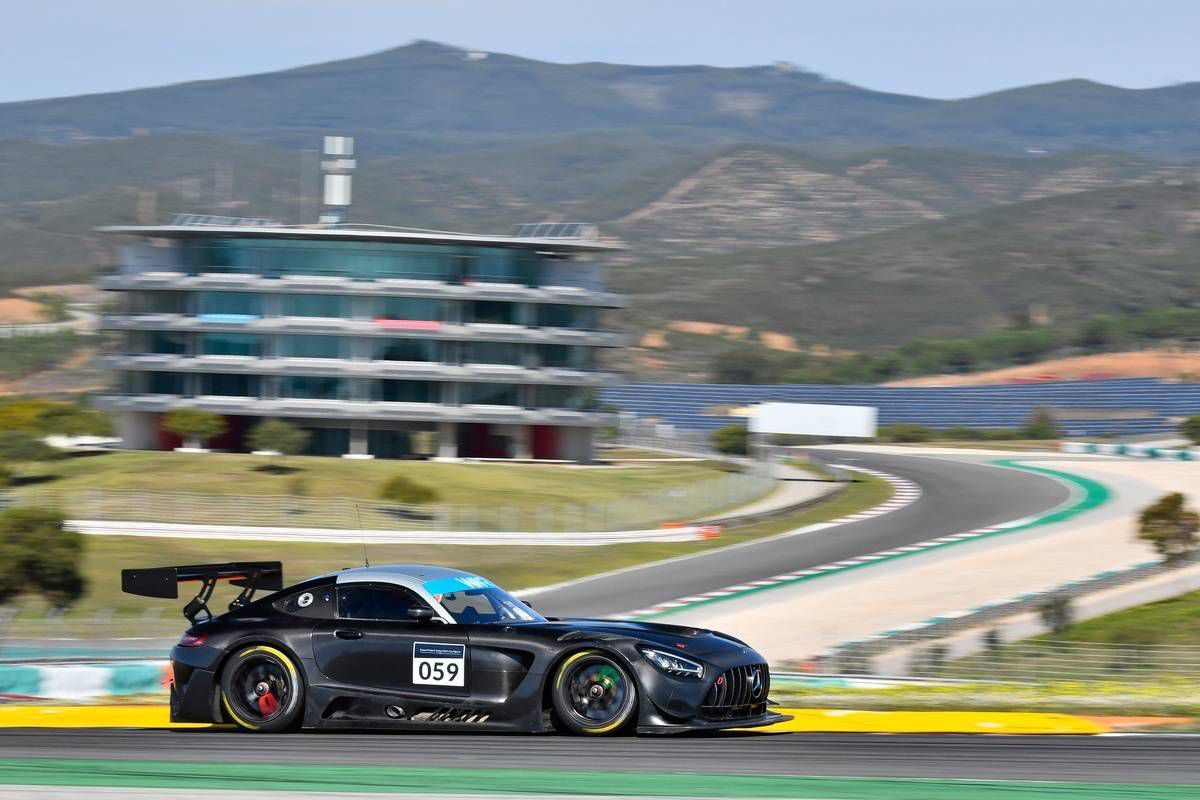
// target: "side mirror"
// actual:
[[527, 604], [421, 614]]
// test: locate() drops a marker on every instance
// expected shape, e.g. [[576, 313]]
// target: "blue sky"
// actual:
[[936, 48]]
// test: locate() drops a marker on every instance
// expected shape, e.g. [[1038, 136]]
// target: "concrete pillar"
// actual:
[[447, 441], [138, 430], [522, 442], [358, 442], [575, 444]]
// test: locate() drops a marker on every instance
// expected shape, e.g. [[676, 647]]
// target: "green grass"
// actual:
[[524, 485], [1175, 621], [515, 567]]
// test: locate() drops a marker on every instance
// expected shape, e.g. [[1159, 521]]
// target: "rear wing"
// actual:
[[164, 582]]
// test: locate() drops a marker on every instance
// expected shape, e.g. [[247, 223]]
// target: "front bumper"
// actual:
[[699, 726]]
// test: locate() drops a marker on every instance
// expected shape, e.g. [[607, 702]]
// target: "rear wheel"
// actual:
[[261, 690], [593, 694]]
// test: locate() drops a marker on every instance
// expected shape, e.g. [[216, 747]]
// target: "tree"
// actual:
[[1170, 527], [37, 555], [1057, 613], [69, 419], [279, 436], [1191, 428], [1041, 425], [743, 364], [195, 426], [732, 440]]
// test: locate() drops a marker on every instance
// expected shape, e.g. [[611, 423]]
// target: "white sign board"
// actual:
[[811, 419]]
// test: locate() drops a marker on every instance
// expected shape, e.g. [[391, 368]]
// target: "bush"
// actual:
[[22, 446], [71, 419], [1041, 425], [904, 432], [194, 425], [400, 489], [732, 440], [1191, 428], [38, 556], [6, 476]]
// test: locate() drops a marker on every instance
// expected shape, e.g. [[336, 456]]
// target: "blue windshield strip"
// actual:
[[459, 584]]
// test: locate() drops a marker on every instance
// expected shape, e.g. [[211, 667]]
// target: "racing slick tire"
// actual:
[[261, 690], [593, 694]]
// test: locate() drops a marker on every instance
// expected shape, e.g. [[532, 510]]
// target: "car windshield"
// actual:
[[488, 606]]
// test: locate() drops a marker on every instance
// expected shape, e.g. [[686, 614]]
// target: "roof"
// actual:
[[388, 573], [363, 234]]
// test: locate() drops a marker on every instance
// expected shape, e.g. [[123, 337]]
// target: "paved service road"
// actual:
[[957, 495], [1163, 759]]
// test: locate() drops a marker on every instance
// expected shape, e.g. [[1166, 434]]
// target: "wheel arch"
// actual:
[[250, 640]]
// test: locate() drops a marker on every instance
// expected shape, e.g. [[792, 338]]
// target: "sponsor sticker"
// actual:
[[461, 583], [437, 664]]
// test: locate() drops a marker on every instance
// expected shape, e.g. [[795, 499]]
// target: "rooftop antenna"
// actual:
[[336, 169], [358, 514]]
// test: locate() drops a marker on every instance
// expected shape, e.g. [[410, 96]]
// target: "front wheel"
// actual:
[[593, 694], [261, 690]]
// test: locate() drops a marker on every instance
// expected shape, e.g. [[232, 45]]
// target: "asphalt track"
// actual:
[[1136, 759], [957, 495]]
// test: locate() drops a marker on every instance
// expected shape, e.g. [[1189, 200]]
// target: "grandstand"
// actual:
[[1120, 407]]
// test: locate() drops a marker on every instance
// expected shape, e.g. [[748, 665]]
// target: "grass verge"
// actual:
[[515, 567]]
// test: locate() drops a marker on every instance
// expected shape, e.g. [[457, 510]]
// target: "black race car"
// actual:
[[423, 647]]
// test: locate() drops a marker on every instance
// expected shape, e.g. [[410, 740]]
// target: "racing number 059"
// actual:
[[437, 664]]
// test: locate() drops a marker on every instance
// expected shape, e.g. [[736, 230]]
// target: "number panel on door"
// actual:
[[437, 664]]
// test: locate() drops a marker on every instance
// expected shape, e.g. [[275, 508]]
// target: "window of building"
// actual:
[[427, 350], [166, 383], [501, 265], [311, 387], [420, 308], [493, 353], [157, 302], [567, 356], [490, 394], [246, 304], [492, 311], [327, 442], [315, 305], [561, 316], [311, 346], [167, 343], [230, 344], [577, 398], [224, 385], [408, 391]]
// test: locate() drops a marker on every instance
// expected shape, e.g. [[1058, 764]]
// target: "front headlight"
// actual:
[[673, 664]]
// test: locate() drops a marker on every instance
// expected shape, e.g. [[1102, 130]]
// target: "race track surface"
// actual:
[[1141, 759], [957, 495]]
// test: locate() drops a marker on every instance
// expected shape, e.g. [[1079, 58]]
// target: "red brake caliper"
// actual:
[[267, 704]]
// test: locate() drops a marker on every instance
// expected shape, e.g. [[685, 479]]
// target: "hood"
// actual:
[[695, 641]]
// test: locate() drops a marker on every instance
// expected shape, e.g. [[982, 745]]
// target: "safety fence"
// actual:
[[970, 644], [631, 512]]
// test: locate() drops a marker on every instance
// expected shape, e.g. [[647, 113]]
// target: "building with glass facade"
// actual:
[[381, 342]]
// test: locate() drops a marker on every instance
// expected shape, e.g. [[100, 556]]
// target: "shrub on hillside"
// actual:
[[733, 440], [38, 557], [406, 491], [1170, 527], [1191, 428], [1041, 425]]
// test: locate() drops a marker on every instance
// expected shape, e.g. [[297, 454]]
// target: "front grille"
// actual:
[[733, 695]]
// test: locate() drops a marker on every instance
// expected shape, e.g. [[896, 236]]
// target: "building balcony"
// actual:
[[459, 332], [356, 410], [347, 368], [562, 291]]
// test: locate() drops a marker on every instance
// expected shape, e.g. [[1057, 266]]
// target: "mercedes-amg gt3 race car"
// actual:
[[422, 647]]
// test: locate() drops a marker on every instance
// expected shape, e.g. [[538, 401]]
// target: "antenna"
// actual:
[[358, 515]]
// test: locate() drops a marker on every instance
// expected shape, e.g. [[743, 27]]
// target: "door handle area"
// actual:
[[347, 633]]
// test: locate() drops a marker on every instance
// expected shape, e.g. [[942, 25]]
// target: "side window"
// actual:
[[315, 601], [376, 602]]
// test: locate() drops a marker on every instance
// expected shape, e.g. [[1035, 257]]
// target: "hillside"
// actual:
[[664, 200], [428, 98], [1105, 251]]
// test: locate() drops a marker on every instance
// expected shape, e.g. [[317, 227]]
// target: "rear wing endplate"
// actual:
[[164, 582]]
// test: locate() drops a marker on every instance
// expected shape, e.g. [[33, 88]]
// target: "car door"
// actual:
[[372, 643]]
